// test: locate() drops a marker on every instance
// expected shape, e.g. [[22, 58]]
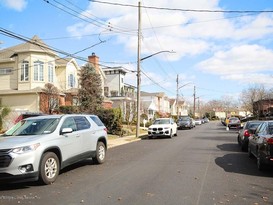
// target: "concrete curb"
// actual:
[[123, 140]]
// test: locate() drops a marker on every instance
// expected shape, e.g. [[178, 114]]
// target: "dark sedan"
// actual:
[[185, 123], [247, 130], [260, 144]]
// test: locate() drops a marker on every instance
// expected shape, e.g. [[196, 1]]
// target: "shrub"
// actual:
[[112, 120]]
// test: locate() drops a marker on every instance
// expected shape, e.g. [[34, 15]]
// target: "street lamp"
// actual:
[[138, 85]]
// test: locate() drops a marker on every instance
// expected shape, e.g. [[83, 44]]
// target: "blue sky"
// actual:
[[221, 53]]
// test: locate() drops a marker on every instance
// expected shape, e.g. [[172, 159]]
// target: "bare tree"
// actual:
[[251, 95], [51, 97]]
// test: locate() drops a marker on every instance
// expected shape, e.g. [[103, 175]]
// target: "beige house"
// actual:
[[26, 68]]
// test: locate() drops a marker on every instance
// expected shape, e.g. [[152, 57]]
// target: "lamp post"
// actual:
[[139, 82]]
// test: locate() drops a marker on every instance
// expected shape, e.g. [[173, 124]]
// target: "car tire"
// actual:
[[260, 163], [171, 134], [238, 139], [250, 155], [49, 168], [100, 153]]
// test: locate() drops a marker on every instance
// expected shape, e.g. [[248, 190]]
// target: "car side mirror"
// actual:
[[66, 130]]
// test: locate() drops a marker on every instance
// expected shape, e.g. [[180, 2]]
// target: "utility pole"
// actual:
[[138, 69], [194, 98], [177, 97]]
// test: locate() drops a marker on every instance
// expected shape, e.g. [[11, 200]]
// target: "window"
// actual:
[[75, 101], [69, 123], [71, 81], [50, 73], [53, 102], [5, 71], [38, 71], [24, 71], [82, 123], [97, 120], [106, 91]]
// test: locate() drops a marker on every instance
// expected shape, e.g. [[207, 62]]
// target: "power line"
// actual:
[[186, 10], [100, 24]]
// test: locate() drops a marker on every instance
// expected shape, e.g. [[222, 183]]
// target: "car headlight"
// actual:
[[166, 128], [22, 150]]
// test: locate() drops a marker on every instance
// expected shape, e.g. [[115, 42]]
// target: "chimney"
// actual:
[[95, 61]]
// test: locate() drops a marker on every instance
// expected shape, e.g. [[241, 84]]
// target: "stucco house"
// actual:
[[26, 68], [120, 93]]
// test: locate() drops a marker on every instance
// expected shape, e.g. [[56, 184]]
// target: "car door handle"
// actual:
[[77, 135]]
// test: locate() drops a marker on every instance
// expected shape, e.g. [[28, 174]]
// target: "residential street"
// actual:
[[202, 166]]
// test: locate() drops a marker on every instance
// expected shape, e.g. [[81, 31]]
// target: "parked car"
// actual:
[[184, 123], [162, 127], [234, 122], [247, 130], [260, 144], [37, 148], [198, 121], [193, 122], [206, 120], [26, 115]]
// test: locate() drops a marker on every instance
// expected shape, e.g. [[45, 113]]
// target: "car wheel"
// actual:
[[250, 155], [260, 163], [171, 134], [244, 147], [238, 139], [100, 153], [49, 168]]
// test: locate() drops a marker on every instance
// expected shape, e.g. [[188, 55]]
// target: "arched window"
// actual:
[[38, 71]]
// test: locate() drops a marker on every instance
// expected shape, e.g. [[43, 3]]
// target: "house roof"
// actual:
[[158, 94], [62, 61], [35, 45], [115, 68]]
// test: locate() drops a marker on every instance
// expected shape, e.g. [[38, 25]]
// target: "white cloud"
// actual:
[[17, 5], [246, 64], [187, 33], [241, 59]]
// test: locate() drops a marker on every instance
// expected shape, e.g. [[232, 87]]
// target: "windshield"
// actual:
[[184, 119], [33, 127], [161, 121]]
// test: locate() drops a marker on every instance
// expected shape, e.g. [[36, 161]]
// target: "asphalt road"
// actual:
[[203, 166]]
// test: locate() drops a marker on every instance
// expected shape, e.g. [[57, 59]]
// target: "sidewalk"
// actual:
[[124, 140]]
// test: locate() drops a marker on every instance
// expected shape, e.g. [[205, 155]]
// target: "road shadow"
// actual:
[[241, 164], [229, 147]]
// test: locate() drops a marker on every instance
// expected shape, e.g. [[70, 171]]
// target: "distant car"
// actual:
[[184, 123], [37, 148], [206, 120], [247, 130], [234, 122], [260, 144], [162, 127], [198, 121]]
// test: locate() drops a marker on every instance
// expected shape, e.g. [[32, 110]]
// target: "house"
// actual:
[[151, 103], [263, 108], [121, 94], [26, 68]]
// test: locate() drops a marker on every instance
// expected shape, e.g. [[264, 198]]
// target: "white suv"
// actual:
[[39, 147], [162, 127]]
